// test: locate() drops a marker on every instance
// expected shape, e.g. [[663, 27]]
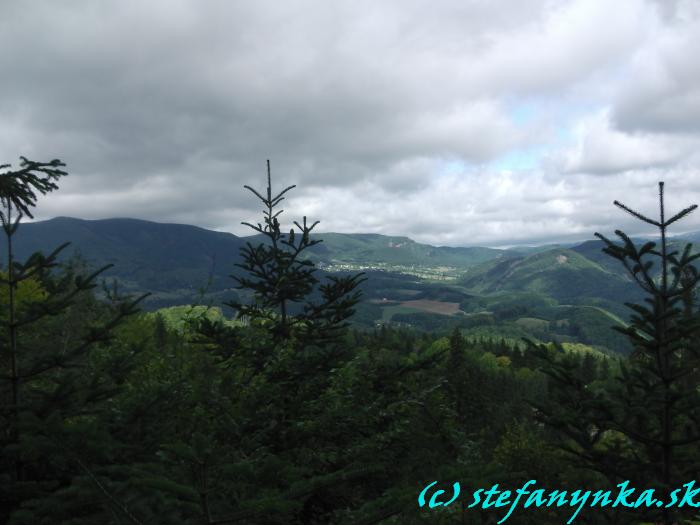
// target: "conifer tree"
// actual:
[[457, 374], [644, 427], [46, 383], [270, 374], [283, 281]]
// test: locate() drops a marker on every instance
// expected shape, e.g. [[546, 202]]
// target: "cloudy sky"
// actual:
[[465, 122]]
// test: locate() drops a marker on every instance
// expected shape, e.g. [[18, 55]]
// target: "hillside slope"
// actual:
[[573, 293], [174, 261], [170, 260], [560, 273]]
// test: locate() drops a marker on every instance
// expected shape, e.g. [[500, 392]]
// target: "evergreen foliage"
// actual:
[[286, 415], [50, 395], [645, 426], [282, 280]]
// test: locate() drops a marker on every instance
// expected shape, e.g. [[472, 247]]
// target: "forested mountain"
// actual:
[[170, 260], [571, 293], [371, 248], [288, 413], [171, 257], [561, 273], [174, 259]]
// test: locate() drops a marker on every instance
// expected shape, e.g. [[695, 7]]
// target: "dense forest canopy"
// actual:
[[288, 413]]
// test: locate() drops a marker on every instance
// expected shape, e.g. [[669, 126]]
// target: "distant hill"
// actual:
[[572, 293], [170, 260], [528, 250], [374, 248], [593, 250], [173, 261], [561, 273]]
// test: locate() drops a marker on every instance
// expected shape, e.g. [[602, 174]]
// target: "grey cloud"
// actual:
[[662, 89], [163, 110], [602, 150]]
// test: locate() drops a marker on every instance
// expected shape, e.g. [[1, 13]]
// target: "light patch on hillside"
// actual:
[[433, 307]]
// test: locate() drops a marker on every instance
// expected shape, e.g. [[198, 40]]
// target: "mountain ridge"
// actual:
[[692, 236], [572, 289]]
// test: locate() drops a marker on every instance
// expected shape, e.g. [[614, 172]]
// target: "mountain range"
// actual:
[[574, 291], [173, 261]]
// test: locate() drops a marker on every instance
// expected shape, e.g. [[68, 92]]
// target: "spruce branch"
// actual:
[[19, 188]]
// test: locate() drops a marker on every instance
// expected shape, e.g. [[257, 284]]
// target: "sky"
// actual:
[[465, 122]]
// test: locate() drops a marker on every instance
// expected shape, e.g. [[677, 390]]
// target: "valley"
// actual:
[[571, 293]]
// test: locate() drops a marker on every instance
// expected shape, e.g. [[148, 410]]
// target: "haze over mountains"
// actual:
[[408, 282]]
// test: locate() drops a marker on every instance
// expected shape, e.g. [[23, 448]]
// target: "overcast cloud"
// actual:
[[462, 122]]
